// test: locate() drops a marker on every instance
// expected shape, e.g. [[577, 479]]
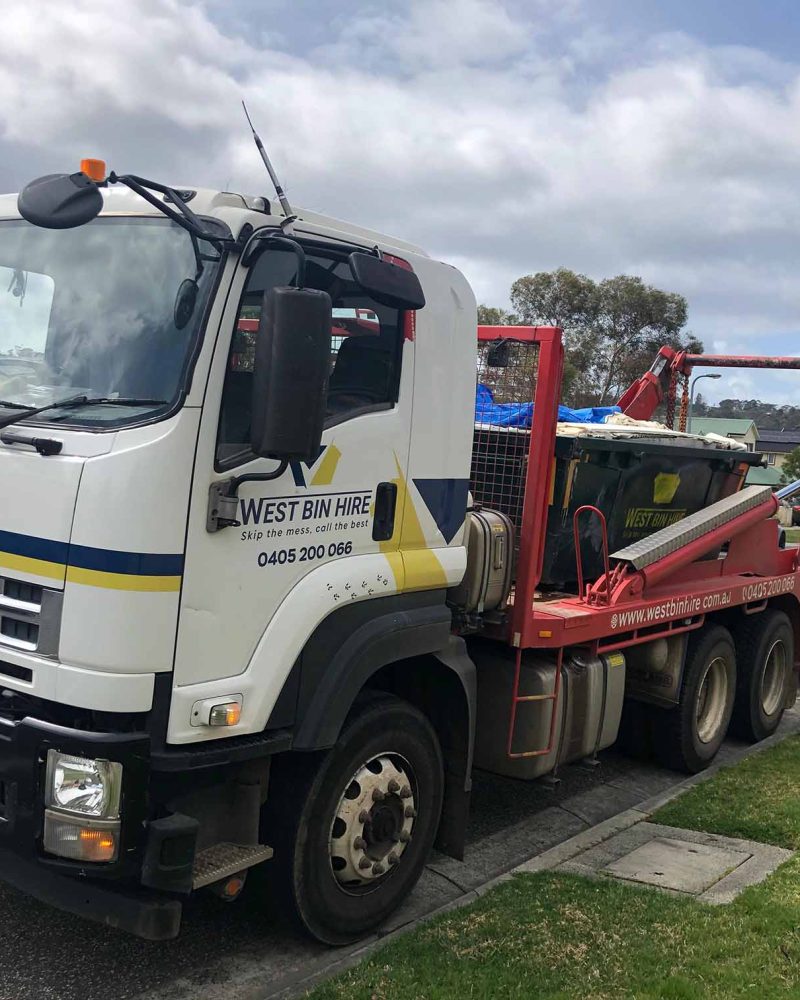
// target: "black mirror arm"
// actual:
[[223, 500], [254, 248], [184, 216], [198, 256], [257, 477]]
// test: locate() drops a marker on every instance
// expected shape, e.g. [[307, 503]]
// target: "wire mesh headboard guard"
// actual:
[[500, 454]]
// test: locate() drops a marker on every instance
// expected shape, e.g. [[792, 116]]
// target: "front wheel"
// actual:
[[688, 736], [353, 833]]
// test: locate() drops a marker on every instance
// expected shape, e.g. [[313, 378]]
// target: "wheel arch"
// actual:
[[400, 645], [442, 685]]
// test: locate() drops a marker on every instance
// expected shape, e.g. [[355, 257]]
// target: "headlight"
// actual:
[[82, 786], [82, 796]]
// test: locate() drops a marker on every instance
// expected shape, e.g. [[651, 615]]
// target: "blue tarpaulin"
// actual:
[[521, 414]]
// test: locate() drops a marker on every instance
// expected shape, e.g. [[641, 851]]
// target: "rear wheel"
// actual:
[[765, 653], [353, 832], [688, 736]]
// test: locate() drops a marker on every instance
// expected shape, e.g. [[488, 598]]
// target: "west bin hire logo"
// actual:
[[639, 520]]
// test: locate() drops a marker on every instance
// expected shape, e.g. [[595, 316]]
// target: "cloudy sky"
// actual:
[[505, 136]]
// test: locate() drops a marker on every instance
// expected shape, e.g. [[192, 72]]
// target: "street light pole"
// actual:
[[691, 396]]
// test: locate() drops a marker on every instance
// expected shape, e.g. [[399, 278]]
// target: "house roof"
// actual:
[[769, 476], [723, 426], [779, 441]]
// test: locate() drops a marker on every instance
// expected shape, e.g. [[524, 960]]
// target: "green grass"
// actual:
[[758, 799], [561, 937], [793, 535]]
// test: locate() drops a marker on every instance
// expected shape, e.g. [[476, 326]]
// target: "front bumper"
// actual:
[[146, 915], [109, 893]]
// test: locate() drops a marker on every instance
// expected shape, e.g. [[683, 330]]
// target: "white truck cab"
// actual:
[[189, 593]]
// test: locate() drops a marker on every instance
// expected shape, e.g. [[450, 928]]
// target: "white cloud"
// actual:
[[504, 137]]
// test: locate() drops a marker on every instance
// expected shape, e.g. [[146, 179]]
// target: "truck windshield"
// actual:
[[104, 311]]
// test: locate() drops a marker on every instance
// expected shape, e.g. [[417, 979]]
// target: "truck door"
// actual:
[[322, 535]]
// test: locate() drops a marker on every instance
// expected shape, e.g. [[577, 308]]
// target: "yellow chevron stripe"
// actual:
[[327, 467], [413, 563], [122, 581]]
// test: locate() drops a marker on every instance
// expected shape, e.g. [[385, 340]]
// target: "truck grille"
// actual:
[[25, 633], [30, 616], [18, 590]]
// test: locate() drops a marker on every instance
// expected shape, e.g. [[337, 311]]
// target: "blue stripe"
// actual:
[[87, 557], [33, 548], [134, 563]]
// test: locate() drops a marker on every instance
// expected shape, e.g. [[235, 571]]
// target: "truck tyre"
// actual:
[[765, 657], [353, 828], [688, 736]]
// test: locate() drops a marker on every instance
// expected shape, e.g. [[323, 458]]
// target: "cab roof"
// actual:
[[234, 209]]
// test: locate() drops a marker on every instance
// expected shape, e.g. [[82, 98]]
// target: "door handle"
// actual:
[[385, 506]]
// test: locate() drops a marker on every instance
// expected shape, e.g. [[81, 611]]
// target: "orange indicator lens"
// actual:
[[95, 169]]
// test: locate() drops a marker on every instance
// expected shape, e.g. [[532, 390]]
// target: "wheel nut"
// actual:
[[378, 795], [410, 812], [359, 843], [405, 792], [378, 869], [363, 816], [393, 858], [394, 786], [364, 863]]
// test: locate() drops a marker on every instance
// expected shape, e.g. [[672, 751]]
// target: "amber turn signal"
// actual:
[[225, 715]]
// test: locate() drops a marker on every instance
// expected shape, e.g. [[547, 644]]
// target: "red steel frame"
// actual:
[[541, 456], [641, 399], [753, 562], [625, 607], [541, 459]]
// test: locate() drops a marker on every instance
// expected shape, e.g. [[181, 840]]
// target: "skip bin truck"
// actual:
[[270, 588]]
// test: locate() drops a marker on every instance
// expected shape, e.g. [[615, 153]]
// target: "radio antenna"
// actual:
[[287, 208]]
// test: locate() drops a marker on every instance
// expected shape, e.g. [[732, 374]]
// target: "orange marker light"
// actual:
[[227, 714], [98, 845], [233, 886], [95, 169]]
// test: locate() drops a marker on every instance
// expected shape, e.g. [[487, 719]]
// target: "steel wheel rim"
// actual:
[[374, 823], [712, 698], [772, 679]]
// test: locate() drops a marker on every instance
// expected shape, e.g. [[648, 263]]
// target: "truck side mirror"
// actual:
[[60, 201], [290, 373], [387, 283]]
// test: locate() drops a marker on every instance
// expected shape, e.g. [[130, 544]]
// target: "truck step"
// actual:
[[217, 862], [661, 543]]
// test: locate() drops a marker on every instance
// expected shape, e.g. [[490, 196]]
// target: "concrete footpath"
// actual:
[[516, 827]]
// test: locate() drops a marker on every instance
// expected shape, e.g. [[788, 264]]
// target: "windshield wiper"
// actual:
[[77, 401], [15, 406], [118, 401]]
